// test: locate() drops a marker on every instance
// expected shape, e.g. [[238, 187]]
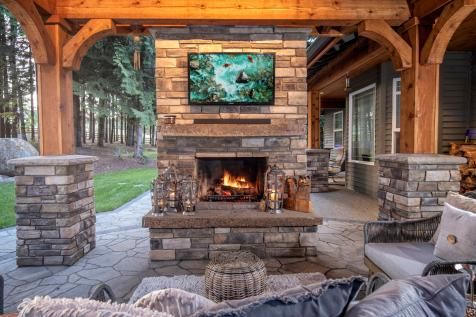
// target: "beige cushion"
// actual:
[[80, 307], [458, 201], [457, 239], [400, 260], [175, 302]]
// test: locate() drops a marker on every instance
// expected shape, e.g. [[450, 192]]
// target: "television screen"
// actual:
[[231, 78]]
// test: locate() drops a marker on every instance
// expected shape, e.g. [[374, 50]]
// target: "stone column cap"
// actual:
[[60, 160], [317, 151], [438, 159]]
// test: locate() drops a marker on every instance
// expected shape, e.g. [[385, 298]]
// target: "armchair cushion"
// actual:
[[458, 201], [400, 260], [457, 235]]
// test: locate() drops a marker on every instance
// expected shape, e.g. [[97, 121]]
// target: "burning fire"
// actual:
[[235, 181]]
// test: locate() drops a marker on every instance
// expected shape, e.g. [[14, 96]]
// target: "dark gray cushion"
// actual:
[[401, 260], [437, 295], [329, 298]]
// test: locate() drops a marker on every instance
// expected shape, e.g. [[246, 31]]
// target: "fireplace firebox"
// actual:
[[231, 179]]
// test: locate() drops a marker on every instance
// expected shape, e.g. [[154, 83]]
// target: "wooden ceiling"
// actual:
[[465, 37], [187, 12]]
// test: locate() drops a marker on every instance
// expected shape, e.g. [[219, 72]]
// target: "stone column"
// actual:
[[55, 209], [318, 169], [416, 185]]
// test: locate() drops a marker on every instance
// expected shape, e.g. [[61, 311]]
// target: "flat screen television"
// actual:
[[231, 78]]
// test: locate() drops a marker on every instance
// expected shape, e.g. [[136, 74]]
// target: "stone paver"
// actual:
[[121, 259]]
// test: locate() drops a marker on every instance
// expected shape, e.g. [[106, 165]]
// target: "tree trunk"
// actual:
[[31, 70], [130, 132], [83, 116], [77, 120], [22, 117], [3, 71], [122, 129], [101, 124], [139, 148]]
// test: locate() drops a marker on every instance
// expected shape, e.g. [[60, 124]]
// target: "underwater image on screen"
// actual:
[[231, 78]]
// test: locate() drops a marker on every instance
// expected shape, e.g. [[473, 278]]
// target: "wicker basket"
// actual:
[[234, 275]]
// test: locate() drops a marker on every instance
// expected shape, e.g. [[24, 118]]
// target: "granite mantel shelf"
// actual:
[[230, 219]]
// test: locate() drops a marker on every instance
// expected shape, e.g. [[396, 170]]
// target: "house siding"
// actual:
[[455, 98], [328, 130]]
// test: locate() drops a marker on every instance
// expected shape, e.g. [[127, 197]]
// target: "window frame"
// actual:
[[394, 110], [351, 105], [334, 130]]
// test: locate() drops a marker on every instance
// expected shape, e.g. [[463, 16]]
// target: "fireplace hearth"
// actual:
[[231, 179]]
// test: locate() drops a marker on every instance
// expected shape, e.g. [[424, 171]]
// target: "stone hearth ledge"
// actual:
[[207, 233]]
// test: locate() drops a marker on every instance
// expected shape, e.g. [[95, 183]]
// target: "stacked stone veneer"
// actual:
[[416, 185], [282, 140], [200, 244], [54, 209], [318, 169]]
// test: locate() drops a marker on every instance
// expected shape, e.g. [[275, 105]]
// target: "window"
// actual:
[[396, 116], [338, 129], [362, 125]]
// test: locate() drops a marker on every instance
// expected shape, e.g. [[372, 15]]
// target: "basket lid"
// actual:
[[235, 262]]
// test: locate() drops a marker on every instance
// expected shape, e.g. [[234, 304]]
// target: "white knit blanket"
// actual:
[[196, 284]]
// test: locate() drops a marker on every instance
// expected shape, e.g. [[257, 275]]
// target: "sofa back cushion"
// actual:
[[458, 201], [457, 238], [329, 298], [436, 295]]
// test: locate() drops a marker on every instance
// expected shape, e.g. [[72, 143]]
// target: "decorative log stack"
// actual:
[[298, 194], [468, 171]]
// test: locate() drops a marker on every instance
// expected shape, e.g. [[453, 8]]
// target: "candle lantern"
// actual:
[[275, 190], [188, 194], [158, 196], [171, 188]]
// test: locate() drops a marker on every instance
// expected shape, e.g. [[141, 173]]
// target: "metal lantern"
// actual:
[[275, 190], [158, 196], [188, 194], [171, 189]]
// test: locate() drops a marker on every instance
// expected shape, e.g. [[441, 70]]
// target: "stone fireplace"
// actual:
[[207, 141]]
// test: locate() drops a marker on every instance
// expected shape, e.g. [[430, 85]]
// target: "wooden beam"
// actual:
[[288, 12], [313, 119], [450, 19], [26, 13], [47, 5], [379, 31], [419, 102], [55, 100], [323, 51], [54, 19], [77, 47], [356, 59], [423, 8]]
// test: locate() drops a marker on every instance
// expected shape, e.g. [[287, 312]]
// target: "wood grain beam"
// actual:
[[288, 12], [450, 19], [77, 47], [352, 61], [323, 51], [423, 8], [47, 5], [379, 31], [26, 13]]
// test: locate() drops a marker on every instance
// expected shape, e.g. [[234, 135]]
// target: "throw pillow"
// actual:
[[457, 235], [66, 307], [329, 298], [458, 201], [175, 302], [436, 295]]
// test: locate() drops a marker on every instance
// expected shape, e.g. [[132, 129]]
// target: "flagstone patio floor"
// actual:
[[121, 258]]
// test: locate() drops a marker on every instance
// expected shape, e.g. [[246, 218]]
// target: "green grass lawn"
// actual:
[[112, 190]]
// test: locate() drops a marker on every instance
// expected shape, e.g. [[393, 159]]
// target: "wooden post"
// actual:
[[55, 100], [313, 118], [419, 102]]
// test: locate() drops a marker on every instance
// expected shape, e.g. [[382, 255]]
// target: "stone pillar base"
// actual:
[[416, 185], [55, 209], [318, 169]]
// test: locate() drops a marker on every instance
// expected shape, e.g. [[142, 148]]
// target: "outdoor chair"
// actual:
[[336, 164], [102, 293], [2, 285], [400, 249]]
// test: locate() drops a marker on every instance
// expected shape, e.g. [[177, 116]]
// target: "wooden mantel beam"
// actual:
[[379, 31], [26, 13], [450, 19], [276, 12], [77, 47]]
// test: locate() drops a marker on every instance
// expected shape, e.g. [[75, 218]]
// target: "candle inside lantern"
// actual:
[[172, 199], [273, 195]]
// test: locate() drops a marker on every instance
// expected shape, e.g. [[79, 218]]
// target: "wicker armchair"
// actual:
[[102, 293], [413, 231]]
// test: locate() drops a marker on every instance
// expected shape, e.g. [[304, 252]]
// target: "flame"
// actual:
[[235, 181]]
